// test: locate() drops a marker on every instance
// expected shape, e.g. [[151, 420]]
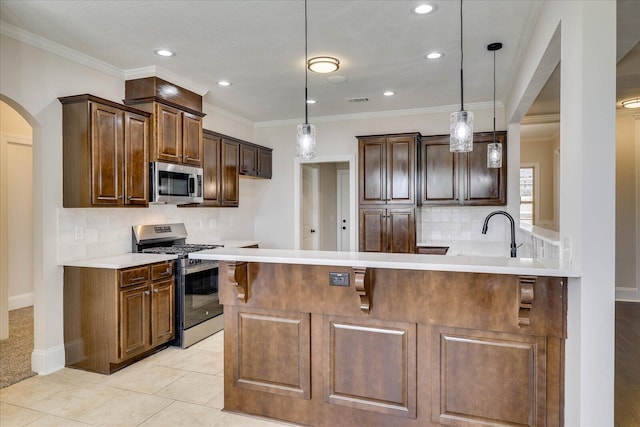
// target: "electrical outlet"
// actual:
[[79, 232], [339, 279]]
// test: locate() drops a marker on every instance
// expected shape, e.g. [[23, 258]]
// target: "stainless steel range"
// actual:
[[198, 310]]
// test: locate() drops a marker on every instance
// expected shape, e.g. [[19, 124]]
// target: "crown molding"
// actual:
[[59, 50], [379, 114], [154, 71]]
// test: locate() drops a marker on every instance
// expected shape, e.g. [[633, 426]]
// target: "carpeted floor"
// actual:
[[15, 351]]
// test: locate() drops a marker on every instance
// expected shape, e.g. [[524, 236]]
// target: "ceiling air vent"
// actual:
[[361, 99]]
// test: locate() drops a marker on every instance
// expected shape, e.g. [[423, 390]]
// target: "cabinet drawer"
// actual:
[[134, 276], [161, 271]]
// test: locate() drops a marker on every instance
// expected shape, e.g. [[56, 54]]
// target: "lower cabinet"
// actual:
[[114, 317], [389, 230]]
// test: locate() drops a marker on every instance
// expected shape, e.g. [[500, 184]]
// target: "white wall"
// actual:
[[583, 36], [628, 206], [31, 80]]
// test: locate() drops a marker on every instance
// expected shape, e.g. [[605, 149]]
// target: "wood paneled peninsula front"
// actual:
[[378, 339]]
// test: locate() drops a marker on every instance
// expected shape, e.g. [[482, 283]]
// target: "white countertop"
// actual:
[[473, 248], [470, 264], [226, 243], [116, 262]]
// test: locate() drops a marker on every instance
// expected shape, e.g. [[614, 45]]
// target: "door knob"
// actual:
[[313, 231], [344, 228]]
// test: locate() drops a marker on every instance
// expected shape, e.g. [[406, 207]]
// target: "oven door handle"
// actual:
[[198, 268]]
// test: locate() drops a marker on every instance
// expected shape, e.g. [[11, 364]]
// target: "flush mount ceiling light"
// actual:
[[164, 52], [424, 8], [389, 93], [494, 150], [323, 64], [306, 136], [311, 101], [224, 83], [631, 103], [461, 127]]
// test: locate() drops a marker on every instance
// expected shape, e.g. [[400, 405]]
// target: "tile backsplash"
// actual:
[[461, 224], [95, 232]]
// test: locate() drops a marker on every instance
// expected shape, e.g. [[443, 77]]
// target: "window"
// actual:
[[527, 193]]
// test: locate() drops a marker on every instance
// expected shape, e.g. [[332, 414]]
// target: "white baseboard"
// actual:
[[47, 361], [627, 294], [20, 301]]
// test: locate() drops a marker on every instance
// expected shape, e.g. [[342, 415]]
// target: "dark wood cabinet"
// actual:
[[177, 135], [387, 169], [387, 229], [462, 178], [432, 250], [105, 153], [220, 171], [114, 317], [255, 160], [387, 192]]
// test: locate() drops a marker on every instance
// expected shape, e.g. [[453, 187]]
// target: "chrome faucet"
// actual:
[[514, 248]]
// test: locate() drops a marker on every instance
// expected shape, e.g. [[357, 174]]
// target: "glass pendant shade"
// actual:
[[306, 142], [494, 155], [461, 132]]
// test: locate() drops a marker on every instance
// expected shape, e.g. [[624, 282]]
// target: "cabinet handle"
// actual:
[[135, 279], [166, 272], [155, 290], [147, 292], [130, 197]]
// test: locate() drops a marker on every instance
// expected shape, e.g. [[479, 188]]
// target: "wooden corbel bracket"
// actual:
[[237, 274], [363, 288], [525, 298]]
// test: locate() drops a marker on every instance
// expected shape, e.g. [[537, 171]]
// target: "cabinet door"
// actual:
[[401, 170], [372, 154], [485, 186], [167, 133], [134, 321], [248, 160], [265, 160], [373, 234], [401, 234], [191, 139], [439, 172], [162, 312], [211, 170], [230, 173], [106, 155], [136, 159]]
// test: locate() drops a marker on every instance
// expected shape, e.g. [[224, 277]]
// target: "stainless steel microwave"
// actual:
[[175, 184]]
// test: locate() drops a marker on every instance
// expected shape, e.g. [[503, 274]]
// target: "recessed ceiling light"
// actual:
[[434, 55], [389, 93], [164, 52], [323, 64], [311, 101], [631, 103], [424, 8], [224, 83]]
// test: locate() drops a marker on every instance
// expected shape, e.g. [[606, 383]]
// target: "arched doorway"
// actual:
[[17, 288]]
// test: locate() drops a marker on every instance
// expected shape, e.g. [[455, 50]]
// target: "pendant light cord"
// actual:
[[494, 96], [306, 63], [461, 63]]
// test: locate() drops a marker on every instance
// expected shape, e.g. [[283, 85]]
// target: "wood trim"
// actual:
[[363, 288], [525, 296]]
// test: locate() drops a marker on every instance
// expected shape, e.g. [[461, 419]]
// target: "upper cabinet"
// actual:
[[462, 178], [255, 160], [220, 170], [177, 119], [105, 153], [387, 169]]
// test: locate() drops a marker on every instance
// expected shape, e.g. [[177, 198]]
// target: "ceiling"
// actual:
[[259, 47]]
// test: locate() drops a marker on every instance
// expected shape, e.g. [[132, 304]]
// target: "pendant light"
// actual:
[[461, 128], [306, 139], [494, 150]]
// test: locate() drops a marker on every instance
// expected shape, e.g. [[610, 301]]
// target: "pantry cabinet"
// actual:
[[113, 317], [390, 229], [105, 153]]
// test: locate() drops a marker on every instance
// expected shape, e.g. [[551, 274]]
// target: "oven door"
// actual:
[[200, 299]]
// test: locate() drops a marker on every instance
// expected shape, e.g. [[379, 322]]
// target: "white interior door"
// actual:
[[344, 219], [310, 206]]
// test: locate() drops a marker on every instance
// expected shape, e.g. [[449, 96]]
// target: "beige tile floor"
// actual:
[[174, 387]]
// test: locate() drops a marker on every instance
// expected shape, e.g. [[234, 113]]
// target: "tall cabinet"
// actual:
[[387, 192]]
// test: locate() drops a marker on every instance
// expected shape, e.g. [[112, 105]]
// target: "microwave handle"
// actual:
[[192, 185]]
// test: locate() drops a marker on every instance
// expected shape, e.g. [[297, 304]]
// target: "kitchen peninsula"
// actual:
[[346, 338]]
